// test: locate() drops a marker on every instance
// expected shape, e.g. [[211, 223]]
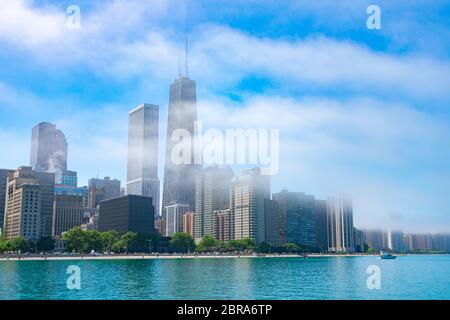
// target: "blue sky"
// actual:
[[360, 111]]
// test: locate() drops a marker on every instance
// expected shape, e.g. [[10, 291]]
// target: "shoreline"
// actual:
[[173, 256]]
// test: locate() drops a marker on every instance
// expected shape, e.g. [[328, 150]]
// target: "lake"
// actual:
[[407, 277]]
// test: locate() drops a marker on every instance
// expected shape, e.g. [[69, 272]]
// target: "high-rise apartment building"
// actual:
[[142, 172], [48, 149], [247, 203], [272, 216], [179, 176], [29, 204], [298, 215], [222, 227], [212, 192], [67, 213], [340, 224]]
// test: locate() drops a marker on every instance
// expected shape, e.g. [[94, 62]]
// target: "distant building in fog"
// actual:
[[48, 149], [320, 211], [375, 239], [297, 218], [340, 224], [212, 192]]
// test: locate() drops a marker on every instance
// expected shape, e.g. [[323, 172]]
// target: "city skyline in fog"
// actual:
[[363, 112]]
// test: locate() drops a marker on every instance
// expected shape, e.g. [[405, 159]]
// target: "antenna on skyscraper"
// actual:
[[186, 53], [179, 64]]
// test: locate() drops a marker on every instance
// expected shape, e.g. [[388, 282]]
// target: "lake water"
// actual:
[[407, 277]]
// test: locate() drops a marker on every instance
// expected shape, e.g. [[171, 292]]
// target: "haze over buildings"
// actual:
[[142, 172]]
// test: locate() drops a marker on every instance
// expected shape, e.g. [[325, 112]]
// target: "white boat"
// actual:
[[386, 255]]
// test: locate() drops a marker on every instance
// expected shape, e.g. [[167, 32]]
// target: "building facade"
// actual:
[[272, 217], [179, 176], [321, 225], [142, 171], [102, 189], [22, 183], [212, 192], [173, 218], [188, 223], [3, 182], [67, 213], [340, 224], [298, 215], [247, 203], [128, 213], [222, 225]]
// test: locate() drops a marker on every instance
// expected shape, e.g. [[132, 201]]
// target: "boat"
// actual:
[[386, 256]]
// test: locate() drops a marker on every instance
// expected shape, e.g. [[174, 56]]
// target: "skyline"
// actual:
[[395, 172]]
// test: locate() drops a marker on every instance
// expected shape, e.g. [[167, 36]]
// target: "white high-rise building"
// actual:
[[142, 172], [173, 218]]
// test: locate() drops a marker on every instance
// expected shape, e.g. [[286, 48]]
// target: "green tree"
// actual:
[[19, 244], [118, 246], [129, 240], [108, 238], [207, 244], [182, 242], [92, 240], [4, 246], [291, 247], [365, 247], [75, 239]]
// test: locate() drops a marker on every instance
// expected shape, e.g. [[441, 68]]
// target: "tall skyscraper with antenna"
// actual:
[[179, 179]]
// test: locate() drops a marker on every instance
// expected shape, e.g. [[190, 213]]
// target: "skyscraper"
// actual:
[[179, 179], [297, 215], [48, 149], [272, 215], [321, 225], [142, 173], [247, 203], [340, 224], [212, 192]]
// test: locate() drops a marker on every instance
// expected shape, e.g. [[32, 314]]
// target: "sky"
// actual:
[[365, 112]]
